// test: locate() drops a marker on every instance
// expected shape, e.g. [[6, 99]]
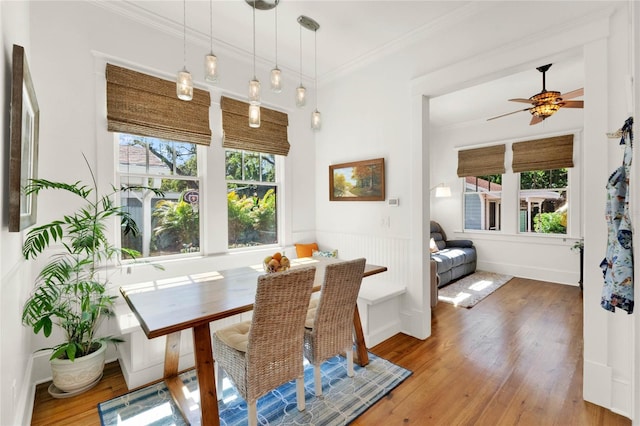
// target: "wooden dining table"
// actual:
[[166, 308]]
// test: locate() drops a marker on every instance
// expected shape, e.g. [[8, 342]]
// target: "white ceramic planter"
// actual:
[[71, 376]]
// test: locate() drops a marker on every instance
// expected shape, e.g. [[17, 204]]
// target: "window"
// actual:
[[543, 201], [482, 202], [252, 193], [170, 224], [544, 182]]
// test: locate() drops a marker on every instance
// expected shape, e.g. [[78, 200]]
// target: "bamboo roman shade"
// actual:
[[543, 154], [144, 105], [481, 161], [270, 137]]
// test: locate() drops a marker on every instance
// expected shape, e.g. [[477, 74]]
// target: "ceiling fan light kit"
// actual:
[[547, 102]]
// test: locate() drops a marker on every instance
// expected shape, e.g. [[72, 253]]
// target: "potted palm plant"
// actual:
[[70, 292]]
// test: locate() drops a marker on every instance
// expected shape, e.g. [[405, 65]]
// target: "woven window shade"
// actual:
[[543, 154], [481, 161], [270, 137], [148, 106]]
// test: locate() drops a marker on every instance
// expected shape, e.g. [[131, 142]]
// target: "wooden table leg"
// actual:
[[361, 357], [206, 378], [174, 382], [172, 354]]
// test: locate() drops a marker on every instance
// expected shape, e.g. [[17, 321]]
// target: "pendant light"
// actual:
[[254, 85], [316, 118], [301, 92], [276, 74], [210, 60], [184, 82]]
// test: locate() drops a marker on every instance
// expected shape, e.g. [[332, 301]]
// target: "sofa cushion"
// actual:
[[433, 247], [325, 253], [306, 250], [443, 263]]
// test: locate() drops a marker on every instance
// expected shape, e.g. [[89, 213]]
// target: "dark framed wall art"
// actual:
[[23, 150], [357, 181]]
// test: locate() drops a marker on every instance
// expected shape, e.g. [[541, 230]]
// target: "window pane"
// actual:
[[251, 166], [483, 202], [145, 155], [233, 165], [169, 224], [543, 201], [543, 211], [268, 170], [541, 179], [252, 217], [252, 206], [186, 158]]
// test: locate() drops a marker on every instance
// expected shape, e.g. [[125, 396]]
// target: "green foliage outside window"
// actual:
[[177, 227], [252, 219], [251, 198], [550, 223], [544, 179]]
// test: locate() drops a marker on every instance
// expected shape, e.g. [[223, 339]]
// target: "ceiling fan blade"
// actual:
[[573, 94], [526, 101], [535, 120], [509, 113], [572, 104]]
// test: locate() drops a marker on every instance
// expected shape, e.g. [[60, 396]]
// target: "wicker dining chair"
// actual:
[[329, 326], [262, 354]]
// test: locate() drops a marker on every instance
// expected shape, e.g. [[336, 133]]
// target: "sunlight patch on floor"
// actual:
[[458, 298], [480, 285]]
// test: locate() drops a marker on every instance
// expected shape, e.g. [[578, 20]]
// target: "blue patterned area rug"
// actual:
[[344, 398]]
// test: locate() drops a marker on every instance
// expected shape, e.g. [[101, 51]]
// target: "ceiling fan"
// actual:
[[546, 103]]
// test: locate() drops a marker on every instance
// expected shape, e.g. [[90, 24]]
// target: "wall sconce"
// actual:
[[442, 190]]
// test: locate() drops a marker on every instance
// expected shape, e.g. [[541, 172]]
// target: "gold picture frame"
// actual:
[[357, 181], [23, 150]]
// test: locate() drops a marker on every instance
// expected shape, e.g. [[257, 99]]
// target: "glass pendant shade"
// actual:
[[184, 85], [276, 80], [301, 96], [254, 91], [211, 68], [316, 120], [254, 115]]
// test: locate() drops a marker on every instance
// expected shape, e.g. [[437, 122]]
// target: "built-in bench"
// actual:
[[379, 305]]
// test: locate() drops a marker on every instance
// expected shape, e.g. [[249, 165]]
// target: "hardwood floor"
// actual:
[[513, 359]]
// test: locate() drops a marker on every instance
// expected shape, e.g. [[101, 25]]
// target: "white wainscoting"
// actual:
[[382, 296]]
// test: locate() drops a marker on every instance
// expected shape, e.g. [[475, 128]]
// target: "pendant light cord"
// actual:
[[300, 54], [254, 40], [315, 63], [276, 34], [211, 25], [184, 32]]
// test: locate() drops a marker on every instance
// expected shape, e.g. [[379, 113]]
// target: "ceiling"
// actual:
[[350, 33]]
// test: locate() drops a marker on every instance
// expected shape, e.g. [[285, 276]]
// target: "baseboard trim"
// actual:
[[524, 271]]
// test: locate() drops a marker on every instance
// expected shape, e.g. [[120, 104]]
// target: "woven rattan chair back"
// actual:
[[332, 330], [273, 353]]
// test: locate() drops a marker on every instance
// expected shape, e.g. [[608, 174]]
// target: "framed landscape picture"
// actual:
[[357, 181], [23, 150]]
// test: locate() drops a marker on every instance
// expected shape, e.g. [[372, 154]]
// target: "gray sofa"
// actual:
[[453, 258]]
